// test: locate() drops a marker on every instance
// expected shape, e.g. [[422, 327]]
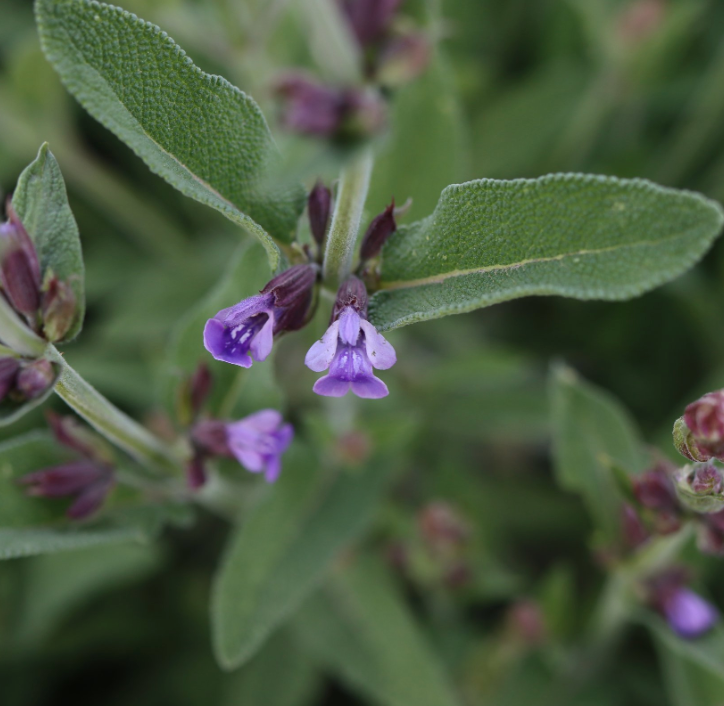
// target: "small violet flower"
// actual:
[[688, 614], [350, 348], [249, 326], [257, 442]]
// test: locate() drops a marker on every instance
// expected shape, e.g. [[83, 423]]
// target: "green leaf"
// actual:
[[201, 134], [41, 202], [361, 629], [283, 549], [590, 430], [586, 237]]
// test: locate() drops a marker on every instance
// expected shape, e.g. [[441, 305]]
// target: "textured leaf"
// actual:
[[361, 629], [590, 430], [41, 202], [585, 237], [282, 550], [203, 135]]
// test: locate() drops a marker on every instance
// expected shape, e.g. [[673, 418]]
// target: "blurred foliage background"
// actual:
[[631, 88]]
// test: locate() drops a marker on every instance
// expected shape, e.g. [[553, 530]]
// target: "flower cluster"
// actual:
[[350, 349], [87, 479]]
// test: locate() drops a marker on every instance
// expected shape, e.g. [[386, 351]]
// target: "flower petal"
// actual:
[[273, 469], [247, 457], [349, 323], [329, 386], [245, 309], [320, 355], [689, 614], [261, 344], [263, 421], [216, 342], [380, 353], [370, 388]]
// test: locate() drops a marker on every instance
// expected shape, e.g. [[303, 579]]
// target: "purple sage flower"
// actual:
[[350, 348], [257, 442], [688, 614], [88, 481], [249, 326]]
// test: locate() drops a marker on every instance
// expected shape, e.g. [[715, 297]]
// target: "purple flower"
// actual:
[[249, 326], [88, 481], [350, 348], [257, 442], [688, 614]]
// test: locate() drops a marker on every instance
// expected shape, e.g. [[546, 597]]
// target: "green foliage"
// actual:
[[572, 235], [204, 136], [592, 432], [282, 550]]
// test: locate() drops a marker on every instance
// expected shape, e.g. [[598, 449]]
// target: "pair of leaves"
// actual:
[[585, 237], [201, 134]]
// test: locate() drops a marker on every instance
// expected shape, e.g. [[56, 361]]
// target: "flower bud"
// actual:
[[196, 475], [634, 531], [293, 291], [210, 438], [352, 292], [705, 419], [59, 309], [319, 207], [200, 387], [686, 444], [370, 20], [403, 59], [654, 490], [35, 378], [19, 266], [698, 487], [74, 435], [9, 368], [379, 230], [442, 528]]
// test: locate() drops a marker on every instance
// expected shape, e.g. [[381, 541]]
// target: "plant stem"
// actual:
[[352, 193], [16, 334], [116, 426]]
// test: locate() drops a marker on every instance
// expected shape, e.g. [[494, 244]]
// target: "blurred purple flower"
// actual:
[[688, 614], [250, 325], [350, 348]]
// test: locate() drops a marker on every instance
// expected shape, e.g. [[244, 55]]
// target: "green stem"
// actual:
[[16, 334], [351, 195], [112, 423]]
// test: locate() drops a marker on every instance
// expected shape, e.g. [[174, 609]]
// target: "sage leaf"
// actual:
[[591, 432], [283, 548], [585, 237], [204, 136], [41, 202]]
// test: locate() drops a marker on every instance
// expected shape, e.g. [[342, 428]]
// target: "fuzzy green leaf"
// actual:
[[586, 237], [283, 548], [41, 202], [204, 136]]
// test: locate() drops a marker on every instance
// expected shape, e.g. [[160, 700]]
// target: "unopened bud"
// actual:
[[9, 368], [441, 527], [370, 20], [196, 472], [210, 438], [293, 291], [319, 206], [200, 387], [403, 59], [71, 433], [379, 230], [698, 487], [35, 378], [634, 532], [654, 490], [705, 420], [59, 309], [686, 444], [352, 292], [19, 266]]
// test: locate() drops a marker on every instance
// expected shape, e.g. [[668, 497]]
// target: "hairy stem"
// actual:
[[116, 426], [351, 195]]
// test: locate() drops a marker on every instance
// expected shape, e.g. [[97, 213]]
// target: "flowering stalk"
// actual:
[[112, 423], [353, 185]]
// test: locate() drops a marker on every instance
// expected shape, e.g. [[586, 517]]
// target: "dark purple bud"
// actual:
[[35, 378], [403, 59], [65, 479], [59, 308], [196, 472], [634, 532], [199, 387], [379, 230], [293, 292], [441, 527], [69, 432], [705, 420], [319, 206], [370, 20], [706, 480], [210, 438], [19, 265], [90, 500], [654, 490], [352, 292], [9, 368]]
